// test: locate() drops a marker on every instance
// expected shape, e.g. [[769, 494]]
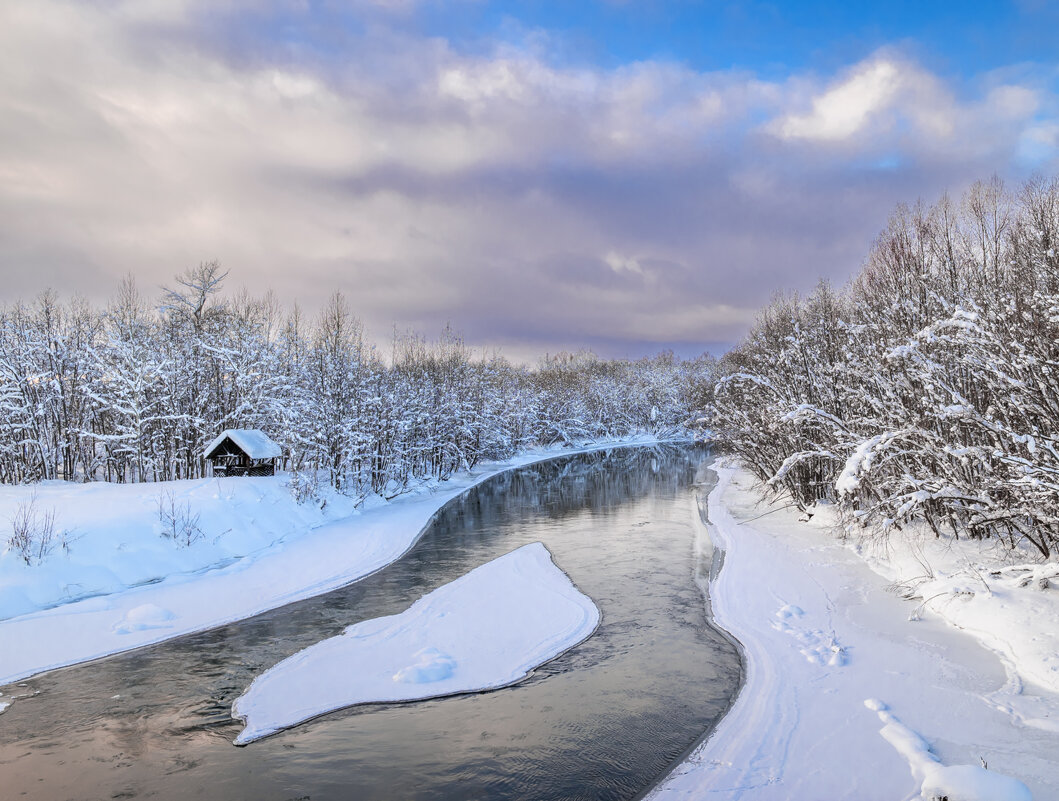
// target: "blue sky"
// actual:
[[619, 175], [960, 39], [772, 38]]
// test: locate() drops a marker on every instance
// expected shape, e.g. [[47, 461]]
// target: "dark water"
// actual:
[[603, 721]]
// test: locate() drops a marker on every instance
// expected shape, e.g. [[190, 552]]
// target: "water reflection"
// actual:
[[600, 722]]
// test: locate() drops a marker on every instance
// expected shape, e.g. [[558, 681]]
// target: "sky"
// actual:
[[623, 176]]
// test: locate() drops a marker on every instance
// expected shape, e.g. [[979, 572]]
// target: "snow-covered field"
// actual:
[[876, 670], [121, 585], [487, 629]]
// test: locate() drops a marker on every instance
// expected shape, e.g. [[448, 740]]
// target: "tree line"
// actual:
[[135, 391], [927, 388]]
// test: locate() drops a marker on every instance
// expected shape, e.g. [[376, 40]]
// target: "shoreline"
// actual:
[[363, 543], [834, 668]]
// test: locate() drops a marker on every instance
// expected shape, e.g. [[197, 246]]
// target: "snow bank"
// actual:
[[484, 630], [1007, 602], [260, 551], [821, 631], [114, 534], [958, 782]]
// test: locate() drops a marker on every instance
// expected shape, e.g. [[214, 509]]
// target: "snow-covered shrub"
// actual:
[[782, 403], [178, 522], [33, 536], [926, 390], [304, 487]]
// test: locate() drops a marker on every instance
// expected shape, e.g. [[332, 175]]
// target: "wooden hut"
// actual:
[[243, 452]]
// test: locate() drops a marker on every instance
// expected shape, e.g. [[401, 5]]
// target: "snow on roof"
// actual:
[[254, 442]]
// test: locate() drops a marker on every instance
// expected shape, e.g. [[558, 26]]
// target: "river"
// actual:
[[605, 720]]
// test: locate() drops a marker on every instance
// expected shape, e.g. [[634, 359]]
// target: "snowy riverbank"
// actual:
[[261, 550], [853, 691]]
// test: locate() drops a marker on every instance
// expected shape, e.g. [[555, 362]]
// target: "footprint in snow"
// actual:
[[817, 646]]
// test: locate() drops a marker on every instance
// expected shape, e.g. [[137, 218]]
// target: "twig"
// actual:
[[770, 511]]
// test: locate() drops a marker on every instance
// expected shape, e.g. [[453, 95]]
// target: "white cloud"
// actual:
[[847, 107], [887, 104]]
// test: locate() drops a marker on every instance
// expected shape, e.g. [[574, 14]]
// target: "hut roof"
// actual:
[[255, 443]]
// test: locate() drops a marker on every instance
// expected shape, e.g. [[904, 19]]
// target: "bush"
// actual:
[[924, 391], [33, 535], [178, 523], [304, 487]]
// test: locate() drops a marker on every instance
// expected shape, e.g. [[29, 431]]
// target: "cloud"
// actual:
[[889, 104], [620, 264], [845, 108], [526, 201]]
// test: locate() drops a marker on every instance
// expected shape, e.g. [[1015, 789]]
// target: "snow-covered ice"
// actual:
[[959, 678], [487, 629], [123, 586]]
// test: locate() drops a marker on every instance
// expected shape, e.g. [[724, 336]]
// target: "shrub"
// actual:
[[304, 487], [178, 523], [33, 536]]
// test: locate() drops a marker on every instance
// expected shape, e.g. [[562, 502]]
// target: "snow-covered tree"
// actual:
[[928, 389]]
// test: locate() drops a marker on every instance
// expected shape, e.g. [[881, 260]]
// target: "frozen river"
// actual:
[[603, 721]]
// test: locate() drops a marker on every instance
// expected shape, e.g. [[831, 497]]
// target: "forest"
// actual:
[[927, 389], [134, 391]]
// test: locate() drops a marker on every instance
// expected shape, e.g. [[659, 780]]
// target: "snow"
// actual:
[[431, 665], [144, 617], [859, 460], [1009, 605], [447, 642], [254, 442], [114, 542], [962, 698], [962, 782], [122, 586], [972, 783]]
